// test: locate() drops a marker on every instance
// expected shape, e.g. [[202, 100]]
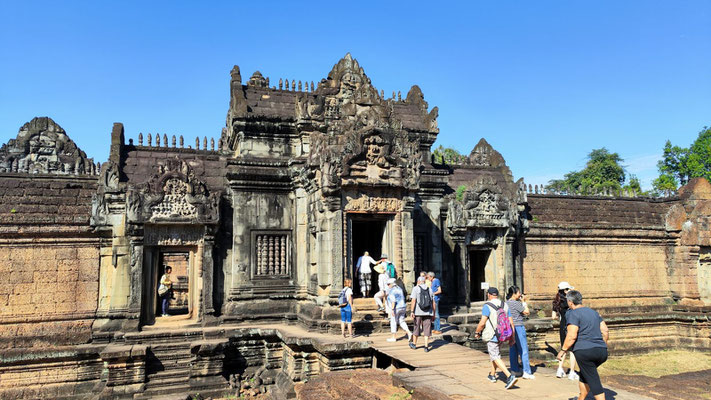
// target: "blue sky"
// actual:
[[544, 82]]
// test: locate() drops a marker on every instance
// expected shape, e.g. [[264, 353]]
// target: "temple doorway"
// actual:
[[367, 234], [179, 261], [478, 259], [181, 301]]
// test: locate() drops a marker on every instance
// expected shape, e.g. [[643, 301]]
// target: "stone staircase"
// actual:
[[167, 370], [466, 321]]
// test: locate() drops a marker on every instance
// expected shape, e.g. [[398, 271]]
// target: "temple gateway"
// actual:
[[263, 224]]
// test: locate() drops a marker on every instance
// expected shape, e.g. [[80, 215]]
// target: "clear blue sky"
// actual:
[[544, 82]]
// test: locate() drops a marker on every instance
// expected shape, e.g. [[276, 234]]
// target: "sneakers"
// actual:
[[391, 339], [560, 373], [436, 332], [573, 376], [511, 381], [412, 346], [528, 376], [427, 349], [491, 378], [381, 309]]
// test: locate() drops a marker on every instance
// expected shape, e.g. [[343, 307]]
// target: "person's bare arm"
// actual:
[[412, 305], [481, 325], [605, 332], [526, 311], [570, 337]]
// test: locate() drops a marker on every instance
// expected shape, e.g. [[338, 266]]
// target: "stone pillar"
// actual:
[[407, 248], [461, 260], [207, 275], [335, 258]]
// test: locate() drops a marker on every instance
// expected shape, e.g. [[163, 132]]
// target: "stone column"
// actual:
[[335, 258], [461, 260], [407, 248], [207, 275]]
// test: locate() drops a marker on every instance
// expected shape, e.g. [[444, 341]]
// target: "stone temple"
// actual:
[[263, 224]]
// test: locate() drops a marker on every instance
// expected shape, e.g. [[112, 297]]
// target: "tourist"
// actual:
[[363, 272], [436, 287], [165, 290], [489, 313], [560, 308], [345, 301], [382, 286], [519, 309], [389, 266], [396, 309], [587, 337], [422, 308]]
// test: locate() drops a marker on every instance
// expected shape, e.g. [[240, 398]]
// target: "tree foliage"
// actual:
[[447, 155], [603, 171], [679, 164]]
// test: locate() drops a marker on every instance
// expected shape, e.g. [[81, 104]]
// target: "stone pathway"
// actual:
[[460, 373]]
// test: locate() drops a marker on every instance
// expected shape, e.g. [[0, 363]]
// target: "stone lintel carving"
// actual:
[[174, 195], [365, 203], [42, 146], [177, 235]]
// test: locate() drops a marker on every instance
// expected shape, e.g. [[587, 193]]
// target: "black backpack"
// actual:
[[424, 301]]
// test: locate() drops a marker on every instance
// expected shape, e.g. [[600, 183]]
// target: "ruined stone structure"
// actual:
[[264, 223]]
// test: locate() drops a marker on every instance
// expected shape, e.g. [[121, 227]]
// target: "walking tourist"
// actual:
[[422, 308], [436, 287], [364, 272], [560, 308], [519, 309], [345, 301], [396, 309], [382, 286], [496, 332], [388, 265], [165, 289], [587, 337]]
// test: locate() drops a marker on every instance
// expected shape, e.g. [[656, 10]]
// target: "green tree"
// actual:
[[603, 171], [447, 155], [679, 164]]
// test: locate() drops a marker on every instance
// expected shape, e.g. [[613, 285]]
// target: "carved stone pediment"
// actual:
[[173, 195], [42, 146]]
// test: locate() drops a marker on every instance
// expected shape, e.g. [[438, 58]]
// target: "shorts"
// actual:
[[494, 349], [346, 314], [423, 325]]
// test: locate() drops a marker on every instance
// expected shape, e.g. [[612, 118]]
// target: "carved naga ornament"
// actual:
[[173, 195]]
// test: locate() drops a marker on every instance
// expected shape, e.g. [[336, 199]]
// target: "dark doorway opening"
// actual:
[[179, 297], [477, 276], [366, 235]]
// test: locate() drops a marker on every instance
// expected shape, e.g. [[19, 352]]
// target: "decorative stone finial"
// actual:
[[140, 139], [281, 84], [150, 140], [165, 140]]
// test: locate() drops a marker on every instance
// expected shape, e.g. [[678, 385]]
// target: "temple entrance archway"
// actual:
[[366, 235], [478, 259], [367, 232]]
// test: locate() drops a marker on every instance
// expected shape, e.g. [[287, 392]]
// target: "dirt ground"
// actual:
[[361, 384]]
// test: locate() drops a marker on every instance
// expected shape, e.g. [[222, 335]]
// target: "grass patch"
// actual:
[[656, 364]]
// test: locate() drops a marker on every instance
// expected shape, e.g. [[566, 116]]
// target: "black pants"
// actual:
[[588, 360]]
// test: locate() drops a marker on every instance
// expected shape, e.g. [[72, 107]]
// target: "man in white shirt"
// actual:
[[363, 270]]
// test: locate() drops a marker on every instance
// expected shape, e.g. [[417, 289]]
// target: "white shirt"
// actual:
[[365, 262]]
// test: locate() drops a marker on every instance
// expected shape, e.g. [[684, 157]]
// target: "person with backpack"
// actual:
[[345, 301], [388, 265], [422, 307], [497, 327]]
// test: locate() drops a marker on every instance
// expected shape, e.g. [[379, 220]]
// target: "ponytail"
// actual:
[[512, 291]]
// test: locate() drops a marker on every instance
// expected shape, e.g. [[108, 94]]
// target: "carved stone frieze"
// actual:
[[365, 203], [167, 235]]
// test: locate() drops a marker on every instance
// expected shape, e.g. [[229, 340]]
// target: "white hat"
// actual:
[[564, 285], [391, 281]]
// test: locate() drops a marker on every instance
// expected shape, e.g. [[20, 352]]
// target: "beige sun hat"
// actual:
[[379, 268], [564, 285]]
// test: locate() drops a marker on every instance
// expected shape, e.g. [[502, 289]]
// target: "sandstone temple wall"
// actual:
[[613, 250], [48, 260]]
